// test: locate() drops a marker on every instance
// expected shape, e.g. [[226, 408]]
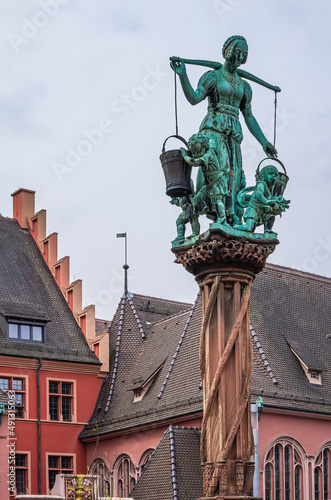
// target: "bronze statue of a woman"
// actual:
[[227, 93]]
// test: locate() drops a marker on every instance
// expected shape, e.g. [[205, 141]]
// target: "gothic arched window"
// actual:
[[143, 460], [125, 476], [283, 471], [322, 473], [102, 485]]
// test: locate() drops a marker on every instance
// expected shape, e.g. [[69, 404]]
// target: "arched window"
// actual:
[[283, 471], [102, 485], [143, 460], [322, 473], [125, 476]]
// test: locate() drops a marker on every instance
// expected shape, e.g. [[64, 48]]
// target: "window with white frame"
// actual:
[[283, 472]]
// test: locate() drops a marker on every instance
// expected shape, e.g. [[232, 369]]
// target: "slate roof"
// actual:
[[285, 305], [28, 291], [177, 477], [307, 355], [292, 307]]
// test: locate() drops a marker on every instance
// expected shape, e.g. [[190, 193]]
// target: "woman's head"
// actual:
[[232, 45]]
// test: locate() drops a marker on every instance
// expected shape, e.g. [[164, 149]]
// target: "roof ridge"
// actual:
[[263, 354], [140, 326], [118, 344], [173, 463], [178, 348], [159, 298], [291, 270], [173, 316], [189, 428]]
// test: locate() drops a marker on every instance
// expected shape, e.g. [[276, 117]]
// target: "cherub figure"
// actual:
[[215, 189], [188, 215], [261, 205]]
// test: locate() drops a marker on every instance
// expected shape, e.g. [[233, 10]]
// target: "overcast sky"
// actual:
[[87, 99]]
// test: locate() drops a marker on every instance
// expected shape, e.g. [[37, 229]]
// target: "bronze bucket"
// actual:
[[177, 172], [282, 180]]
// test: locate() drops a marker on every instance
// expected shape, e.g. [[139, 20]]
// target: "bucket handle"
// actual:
[[268, 158], [178, 137]]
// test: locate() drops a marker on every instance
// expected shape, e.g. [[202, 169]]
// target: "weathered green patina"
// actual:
[[261, 206], [216, 149]]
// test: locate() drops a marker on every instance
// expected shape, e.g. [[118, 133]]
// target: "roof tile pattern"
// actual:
[[173, 472], [137, 356], [292, 306], [285, 305], [29, 291]]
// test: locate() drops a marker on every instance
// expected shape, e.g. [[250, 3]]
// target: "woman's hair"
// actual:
[[229, 45], [265, 170], [199, 138]]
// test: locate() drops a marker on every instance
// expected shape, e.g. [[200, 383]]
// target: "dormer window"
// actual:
[[309, 361], [138, 395], [26, 331], [143, 382], [315, 377]]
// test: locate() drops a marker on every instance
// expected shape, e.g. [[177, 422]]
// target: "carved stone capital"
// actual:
[[217, 250], [207, 472]]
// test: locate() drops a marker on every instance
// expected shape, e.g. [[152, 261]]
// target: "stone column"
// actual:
[[224, 266]]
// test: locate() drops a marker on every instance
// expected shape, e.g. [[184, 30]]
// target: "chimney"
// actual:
[[23, 206]]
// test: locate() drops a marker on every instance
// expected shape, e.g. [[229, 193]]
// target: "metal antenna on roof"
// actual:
[[125, 267]]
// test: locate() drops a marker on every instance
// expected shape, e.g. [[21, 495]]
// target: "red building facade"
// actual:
[[46, 363]]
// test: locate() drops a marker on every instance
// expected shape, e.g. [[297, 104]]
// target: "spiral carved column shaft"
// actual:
[[224, 268], [226, 367]]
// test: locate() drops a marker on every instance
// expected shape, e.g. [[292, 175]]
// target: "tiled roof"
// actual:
[[152, 309], [28, 291], [308, 356], [174, 471], [289, 306], [285, 304], [131, 355]]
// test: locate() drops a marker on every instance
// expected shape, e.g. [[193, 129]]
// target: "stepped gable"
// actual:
[[29, 291], [140, 357], [289, 307], [169, 473]]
